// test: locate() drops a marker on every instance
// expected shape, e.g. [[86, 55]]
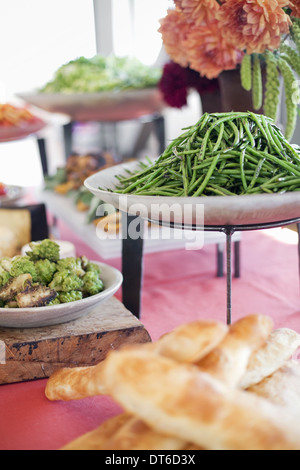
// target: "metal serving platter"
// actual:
[[218, 210], [105, 106]]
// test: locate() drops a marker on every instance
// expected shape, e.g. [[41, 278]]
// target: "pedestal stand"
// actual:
[[229, 230]]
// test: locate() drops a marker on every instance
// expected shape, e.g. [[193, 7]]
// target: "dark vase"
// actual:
[[233, 96], [211, 102]]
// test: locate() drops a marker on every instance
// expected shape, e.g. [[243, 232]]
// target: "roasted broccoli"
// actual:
[[45, 271], [65, 281], [72, 264], [14, 286], [65, 297], [54, 302], [23, 265], [92, 284], [41, 278], [4, 277], [35, 296], [93, 267], [46, 249], [6, 263]]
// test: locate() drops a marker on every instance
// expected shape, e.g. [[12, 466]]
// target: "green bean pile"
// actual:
[[224, 154]]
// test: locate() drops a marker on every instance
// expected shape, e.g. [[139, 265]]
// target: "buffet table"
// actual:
[[178, 287]]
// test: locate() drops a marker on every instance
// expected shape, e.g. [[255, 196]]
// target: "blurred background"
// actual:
[[38, 37]]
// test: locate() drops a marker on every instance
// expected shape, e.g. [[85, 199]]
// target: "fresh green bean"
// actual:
[[223, 154], [207, 177], [242, 169]]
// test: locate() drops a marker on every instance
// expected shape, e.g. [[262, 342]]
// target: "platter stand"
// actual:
[[228, 230], [221, 214]]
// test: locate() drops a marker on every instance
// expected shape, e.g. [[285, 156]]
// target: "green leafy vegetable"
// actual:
[[98, 74]]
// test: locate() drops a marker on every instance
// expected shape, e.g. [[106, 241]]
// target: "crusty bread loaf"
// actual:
[[281, 345], [187, 343], [180, 400], [98, 439], [192, 341], [188, 390], [229, 360], [125, 432], [76, 383], [282, 387]]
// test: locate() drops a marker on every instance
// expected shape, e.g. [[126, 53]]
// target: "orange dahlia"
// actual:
[[174, 30], [209, 52], [294, 5], [255, 25], [197, 11]]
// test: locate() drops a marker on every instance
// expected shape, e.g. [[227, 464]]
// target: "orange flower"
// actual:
[[294, 5], [209, 52], [197, 11], [174, 29], [255, 25]]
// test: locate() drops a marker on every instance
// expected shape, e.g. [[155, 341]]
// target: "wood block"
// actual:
[[36, 353]]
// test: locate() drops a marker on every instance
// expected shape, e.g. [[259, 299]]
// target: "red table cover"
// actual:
[[178, 287]]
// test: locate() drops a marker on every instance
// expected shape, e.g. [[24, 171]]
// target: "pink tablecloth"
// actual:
[[178, 287]]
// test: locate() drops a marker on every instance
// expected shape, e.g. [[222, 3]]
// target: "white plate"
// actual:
[[14, 194], [105, 106], [57, 314], [218, 210], [8, 134]]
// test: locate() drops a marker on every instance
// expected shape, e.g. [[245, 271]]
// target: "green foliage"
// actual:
[[257, 93], [285, 63], [272, 89], [291, 56], [290, 99], [246, 72]]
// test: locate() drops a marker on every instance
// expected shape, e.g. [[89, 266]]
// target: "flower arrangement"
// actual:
[[176, 81], [211, 36]]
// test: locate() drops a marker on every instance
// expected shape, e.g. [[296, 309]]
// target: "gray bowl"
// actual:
[[57, 314]]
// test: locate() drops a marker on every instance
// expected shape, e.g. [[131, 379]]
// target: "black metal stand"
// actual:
[[229, 230]]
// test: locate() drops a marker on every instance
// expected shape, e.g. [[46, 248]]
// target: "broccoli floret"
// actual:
[[72, 264], [4, 277], [93, 267], [23, 265], [54, 302], [92, 284], [45, 271], [65, 281], [65, 297], [47, 249]]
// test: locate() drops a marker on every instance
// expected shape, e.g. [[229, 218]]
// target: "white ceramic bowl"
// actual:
[[218, 210], [57, 314]]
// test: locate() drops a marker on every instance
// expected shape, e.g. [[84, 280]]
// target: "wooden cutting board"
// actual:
[[35, 353]]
